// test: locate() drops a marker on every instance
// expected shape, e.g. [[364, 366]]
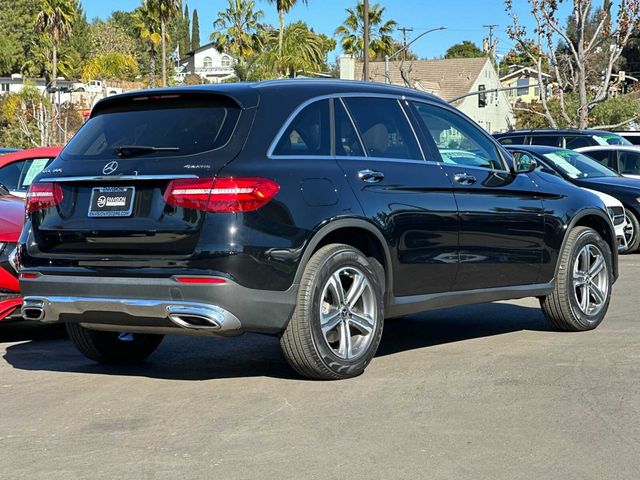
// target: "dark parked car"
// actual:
[[586, 172], [4, 151], [561, 138], [310, 210], [624, 159]]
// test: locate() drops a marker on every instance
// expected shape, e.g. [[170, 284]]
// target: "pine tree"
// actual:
[[195, 32], [184, 38]]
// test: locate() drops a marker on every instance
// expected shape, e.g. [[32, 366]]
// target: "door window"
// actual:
[[383, 127], [519, 140], [577, 142], [459, 141], [347, 141], [546, 140], [630, 163], [10, 174], [308, 134], [30, 170], [600, 156]]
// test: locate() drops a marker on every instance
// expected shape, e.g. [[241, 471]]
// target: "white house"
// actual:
[[208, 63], [456, 80]]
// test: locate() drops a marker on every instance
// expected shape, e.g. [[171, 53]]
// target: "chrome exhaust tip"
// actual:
[[33, 310], [197, 318]]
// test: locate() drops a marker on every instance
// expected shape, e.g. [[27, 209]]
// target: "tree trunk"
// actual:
[[152, 68], [281, 33], [164, 54]]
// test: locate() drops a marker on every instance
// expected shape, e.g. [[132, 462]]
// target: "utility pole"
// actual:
[[491, 27], [365, 71], [404, 31]]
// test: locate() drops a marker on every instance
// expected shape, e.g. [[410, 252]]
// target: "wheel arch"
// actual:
[[358, 233], [601, 223]]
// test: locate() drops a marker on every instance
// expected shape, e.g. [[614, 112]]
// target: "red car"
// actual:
[[17, 171]]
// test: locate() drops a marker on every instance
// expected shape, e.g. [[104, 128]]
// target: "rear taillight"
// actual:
[[221, 194], [43, 195]]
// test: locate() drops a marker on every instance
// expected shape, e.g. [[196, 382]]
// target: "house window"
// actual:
[[523, 87], [208, 63], [4, 87], [226, 61], [482, 97]]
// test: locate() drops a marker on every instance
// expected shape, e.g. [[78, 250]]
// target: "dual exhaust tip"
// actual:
[[193, 318]]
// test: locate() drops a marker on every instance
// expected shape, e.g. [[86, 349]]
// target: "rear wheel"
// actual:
[[583, 285], [335, 330], [112, 347]]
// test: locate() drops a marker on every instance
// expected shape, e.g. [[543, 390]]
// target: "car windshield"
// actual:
[[577, 165], [611, 139]]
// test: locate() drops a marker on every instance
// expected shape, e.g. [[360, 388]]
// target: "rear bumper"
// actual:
[[160, 305]]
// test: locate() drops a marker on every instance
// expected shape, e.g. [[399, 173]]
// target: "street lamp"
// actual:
[[387, 77]]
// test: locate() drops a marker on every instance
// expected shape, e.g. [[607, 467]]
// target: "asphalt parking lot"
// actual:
[[477, 392]]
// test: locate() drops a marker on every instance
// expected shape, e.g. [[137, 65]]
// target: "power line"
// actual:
[[491, 27], [404, 31]]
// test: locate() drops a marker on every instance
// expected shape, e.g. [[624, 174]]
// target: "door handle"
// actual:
[[464, 179], [370, 176]]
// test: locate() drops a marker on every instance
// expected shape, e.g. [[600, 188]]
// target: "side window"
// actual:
[[630, 163], [383, 127], [459, 141], [577, 142], [546, 140], [10, 175], [347, 141], [600, 156], [308, 134], [519, 140], [30, 170]]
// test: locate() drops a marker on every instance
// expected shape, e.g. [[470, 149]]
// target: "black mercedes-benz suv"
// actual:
[[311, 210]]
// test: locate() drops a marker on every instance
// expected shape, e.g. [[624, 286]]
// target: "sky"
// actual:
[[464, 19]]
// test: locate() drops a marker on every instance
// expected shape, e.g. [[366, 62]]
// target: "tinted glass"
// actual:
[[10, 174], [30, 170], [601, 156], [630, 163], [191, 125], [548, 140], [633, 139], [459, 141], [512, 140], [577, 165], [611, 139], [384, 128], [308, 134], [347, 141], [577, 142]]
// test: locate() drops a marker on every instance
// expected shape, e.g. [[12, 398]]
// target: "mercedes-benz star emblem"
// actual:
[[110, 167]]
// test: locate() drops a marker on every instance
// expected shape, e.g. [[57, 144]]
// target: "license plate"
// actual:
[[112, 201]]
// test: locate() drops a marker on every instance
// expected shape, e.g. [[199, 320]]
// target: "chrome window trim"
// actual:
[[102, 178], [308, 102], [415, 135], [499, 147]]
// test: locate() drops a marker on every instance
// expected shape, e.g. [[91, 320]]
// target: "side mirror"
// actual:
[[523, 163]]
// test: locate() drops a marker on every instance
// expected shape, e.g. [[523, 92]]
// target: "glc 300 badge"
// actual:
[[110, 167]]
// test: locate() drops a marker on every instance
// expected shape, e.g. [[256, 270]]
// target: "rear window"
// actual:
[[181, 125]]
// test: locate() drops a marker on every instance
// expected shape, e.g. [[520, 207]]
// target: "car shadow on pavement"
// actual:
[[198, 358]]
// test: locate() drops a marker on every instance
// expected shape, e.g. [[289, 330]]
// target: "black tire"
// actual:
[[303, 342], [111, 347], [634, 242], [561, 308]]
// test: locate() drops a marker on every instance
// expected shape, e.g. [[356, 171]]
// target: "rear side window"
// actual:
[[309, 134], [10, 174], [578, 142], [519, 140], [180, 125], [630, 163], [546, 140], [347, 141], [383, 127], [601, 156]]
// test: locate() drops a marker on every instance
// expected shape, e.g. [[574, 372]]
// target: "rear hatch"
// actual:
[[105, 195]]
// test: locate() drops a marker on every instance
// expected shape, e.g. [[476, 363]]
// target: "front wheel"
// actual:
[[335, 329], [631, 232], [112, 347], [582, 292]]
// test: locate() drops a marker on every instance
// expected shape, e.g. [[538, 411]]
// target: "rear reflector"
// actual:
[[43, 195], [221, 194], [201, 280], [28, 276]]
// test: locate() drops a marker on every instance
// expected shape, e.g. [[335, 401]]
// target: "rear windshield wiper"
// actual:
[[134, 150]]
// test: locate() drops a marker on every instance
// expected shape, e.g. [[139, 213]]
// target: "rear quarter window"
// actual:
[[189, 124]]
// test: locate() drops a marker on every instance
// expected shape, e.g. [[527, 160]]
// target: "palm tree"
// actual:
[[352, 31], [55, 19], [302, 51], [165, 10], [147, 28], [237, 28], [283, 7]]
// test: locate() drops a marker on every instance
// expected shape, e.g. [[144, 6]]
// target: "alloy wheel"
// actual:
[[590, 280], [348, 313]]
